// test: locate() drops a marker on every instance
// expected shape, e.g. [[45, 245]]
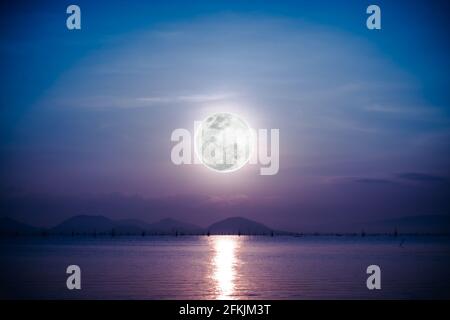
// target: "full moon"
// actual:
[[223, 142]]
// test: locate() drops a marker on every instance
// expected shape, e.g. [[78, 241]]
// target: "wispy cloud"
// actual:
[[400, 178], [403, 110], [422, 177], [192, 98], [111, 101], [228, 199], [373, 181]]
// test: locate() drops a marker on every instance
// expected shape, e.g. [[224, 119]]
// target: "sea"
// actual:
[[225, 267]]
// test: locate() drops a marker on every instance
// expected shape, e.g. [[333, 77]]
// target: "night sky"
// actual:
[[86, 116]]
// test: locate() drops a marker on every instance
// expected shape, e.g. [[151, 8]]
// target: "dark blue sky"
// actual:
[[86, 115]]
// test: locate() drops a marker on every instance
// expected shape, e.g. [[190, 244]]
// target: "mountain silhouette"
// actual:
[[85, 224], [101, 224], [134, 223], [433, 223], [169, 225], [9, 226], [238, 225], [97, 224]]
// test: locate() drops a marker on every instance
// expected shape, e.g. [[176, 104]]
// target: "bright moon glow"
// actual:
[[224, 266], [223, 142]]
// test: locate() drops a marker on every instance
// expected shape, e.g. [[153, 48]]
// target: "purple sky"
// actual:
[[87, 118]]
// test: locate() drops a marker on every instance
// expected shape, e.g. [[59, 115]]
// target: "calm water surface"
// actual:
[[225, 267]]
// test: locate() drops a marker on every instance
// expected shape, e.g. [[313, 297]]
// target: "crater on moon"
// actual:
[[223, 142]]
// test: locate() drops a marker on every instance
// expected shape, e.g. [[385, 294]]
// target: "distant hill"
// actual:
[[413, 224], [90, 224], [85, 224], [134, 223], [97, 224], [101, 224], [169, 225], [237, 225], [9, 226]]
